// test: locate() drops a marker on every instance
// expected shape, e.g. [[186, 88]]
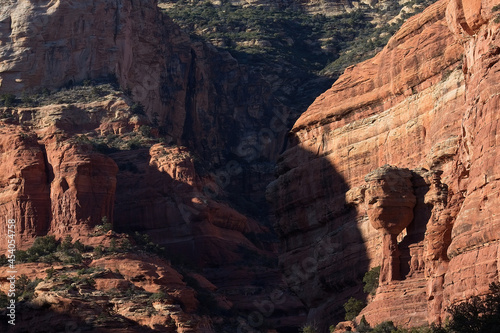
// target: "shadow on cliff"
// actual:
[[415, 232], [324, 257], [201, 233], [194, 227]]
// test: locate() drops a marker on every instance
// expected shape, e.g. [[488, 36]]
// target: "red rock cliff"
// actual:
[[427, 102]]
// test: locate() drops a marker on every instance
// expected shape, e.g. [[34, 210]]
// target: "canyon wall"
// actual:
[[426, 104], [192, 94], [214, 130], [195, 94]]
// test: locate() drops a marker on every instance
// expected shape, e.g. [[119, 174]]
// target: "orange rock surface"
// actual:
[[426, 102]]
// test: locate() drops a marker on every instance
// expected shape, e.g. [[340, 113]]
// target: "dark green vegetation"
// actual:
[[496, 9], [478, 314], [291, 37], [354, 306], [48, 249], [370, 280], [83, 92]]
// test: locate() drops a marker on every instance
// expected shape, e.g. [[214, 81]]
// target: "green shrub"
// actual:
[[147, 245], [98, 251], [364, 326], [25, 288], [309, 328], [125, 245], [157, 296], [370, 280], [104, 227], [8, 100], [21, 256], [79, 246], [134, 143], [73, 257], [4, 300], [145, 130], [50, 272], [67, 243], [112, 246], [353, 307], [42, 247], [137, 108], [478, 314], [384, 327]]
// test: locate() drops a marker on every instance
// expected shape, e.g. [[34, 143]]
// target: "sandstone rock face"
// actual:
[[194, 95], [223, 115], [82, 189], [54, 184], [474, 248], [51, 44], [182, 84], [23, 197], [58, 181], [425, 103], [165, 197], [389, 199], [389, 203]]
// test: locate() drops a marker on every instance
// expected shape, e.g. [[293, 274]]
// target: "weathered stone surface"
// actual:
[[24, 187], [389, 202], [389, 199], [54, 185], [192, 94], [154, 190], [118, 302], [402, 108], [425, 103], [474, 249], [82, 189]]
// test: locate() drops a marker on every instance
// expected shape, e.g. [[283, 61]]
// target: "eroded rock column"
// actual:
[[389, 202]]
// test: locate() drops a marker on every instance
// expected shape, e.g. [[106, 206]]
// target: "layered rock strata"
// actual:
[[426, 102]]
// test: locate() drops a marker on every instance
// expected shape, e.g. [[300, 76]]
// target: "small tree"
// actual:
[[67, 243], [385, 327], [364, 326], [352, 308], [477, 315], [371, 280], [8, 100], [309, 328]]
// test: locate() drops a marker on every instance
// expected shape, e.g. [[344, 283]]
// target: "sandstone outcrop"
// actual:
[[58, 185], [224, 116], [425, 103], [181, 84], [389, 202], [474, 248], [63, 178], [23, 197], [127, 292]]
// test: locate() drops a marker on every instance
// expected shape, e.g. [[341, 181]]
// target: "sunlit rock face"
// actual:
[[426, 103]]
